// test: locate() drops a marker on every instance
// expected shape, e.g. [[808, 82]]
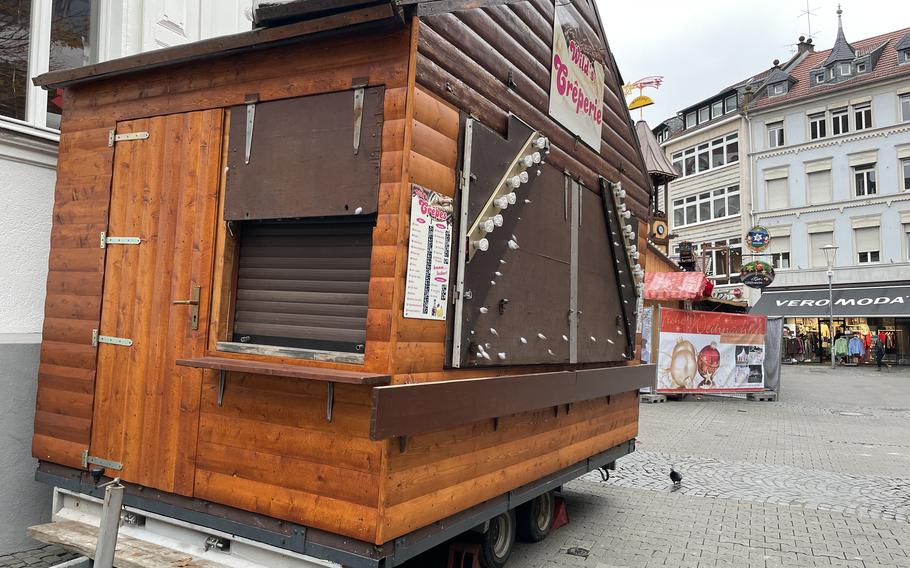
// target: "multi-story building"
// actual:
[[37, 36], [829, 164], [705, 203]]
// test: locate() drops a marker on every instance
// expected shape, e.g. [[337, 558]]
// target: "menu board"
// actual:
[[429, 255]]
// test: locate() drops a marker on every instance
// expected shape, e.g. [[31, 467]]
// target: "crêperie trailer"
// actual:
[[348, 284]]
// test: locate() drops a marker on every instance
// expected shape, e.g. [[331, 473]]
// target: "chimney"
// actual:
[[805, 45], [748, 94]]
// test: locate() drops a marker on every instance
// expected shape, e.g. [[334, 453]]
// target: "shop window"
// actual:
[[840, 122], [816, 242], [819, 184], [777, 193], [867, 245], [864, 180], [862, 116], [303, 284], [775, 135], [817, 126]]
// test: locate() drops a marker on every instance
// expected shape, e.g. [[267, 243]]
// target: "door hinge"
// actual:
[[96, 339], [114, 137], [105, 240], [107, 464]]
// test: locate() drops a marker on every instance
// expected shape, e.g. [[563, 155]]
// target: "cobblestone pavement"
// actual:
[[821, 478], [39, 557]]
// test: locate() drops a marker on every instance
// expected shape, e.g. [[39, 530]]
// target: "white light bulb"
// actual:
[[622, 207], [535, 157], [502, 356], [513, 245], [482, 245], [630, 229], [497, 220], [627, 214], [488, 225], [524, 177], [501, 202], [635, 255], [493, 331], [540, 143], [633, 248], [527, 161], [523, 340], [514, 182], [511, 198], [541, 336]]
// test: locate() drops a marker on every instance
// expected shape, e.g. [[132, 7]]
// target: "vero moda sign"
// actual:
[[576, 78], [882, 302]]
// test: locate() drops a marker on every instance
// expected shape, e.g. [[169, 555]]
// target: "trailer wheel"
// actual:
[[536, 517], [496, 545]]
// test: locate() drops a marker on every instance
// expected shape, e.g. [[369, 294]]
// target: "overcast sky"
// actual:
[[703, 46]]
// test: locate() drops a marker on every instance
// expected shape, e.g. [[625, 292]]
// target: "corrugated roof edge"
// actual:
[[384, 14]]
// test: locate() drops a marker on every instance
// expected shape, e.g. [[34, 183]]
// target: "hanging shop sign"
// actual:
[[710, 352], [757, 274], [576, 78], [758, 238], [429, 255]]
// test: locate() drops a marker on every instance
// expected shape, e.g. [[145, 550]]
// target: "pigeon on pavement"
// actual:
[[675, 477]]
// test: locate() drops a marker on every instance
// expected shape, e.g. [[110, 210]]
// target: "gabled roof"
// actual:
[[903, 43], [886, 67], [778, 76], [842, 50], [656, 161]]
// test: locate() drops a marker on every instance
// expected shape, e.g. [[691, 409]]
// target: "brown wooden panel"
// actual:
[[164, 191], [303, 152], [283, 370], [401, 410]]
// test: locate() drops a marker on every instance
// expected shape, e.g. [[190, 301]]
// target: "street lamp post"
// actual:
[[830, 251]]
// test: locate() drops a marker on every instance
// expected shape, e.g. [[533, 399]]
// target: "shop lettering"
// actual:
[[433, 212], [574, 91], [841, 302]]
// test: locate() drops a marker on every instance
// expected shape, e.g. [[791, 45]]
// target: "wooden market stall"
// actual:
[[244, 310]]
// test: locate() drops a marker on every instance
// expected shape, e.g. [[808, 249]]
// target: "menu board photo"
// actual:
[[429, 255]]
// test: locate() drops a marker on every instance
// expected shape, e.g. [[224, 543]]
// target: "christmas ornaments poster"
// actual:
[[710, 352], [705, 362]]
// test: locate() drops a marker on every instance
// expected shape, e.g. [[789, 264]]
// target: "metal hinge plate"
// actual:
[[114, 137], [106, 240], [96, 339], [107, 464]]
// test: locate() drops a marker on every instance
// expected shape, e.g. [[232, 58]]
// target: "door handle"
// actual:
[[193, 302]]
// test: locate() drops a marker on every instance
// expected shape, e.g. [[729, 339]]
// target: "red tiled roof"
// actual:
[[887, 67]]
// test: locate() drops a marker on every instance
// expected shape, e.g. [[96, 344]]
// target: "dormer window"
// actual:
[[845, 69], [777, 89], [860, 68], [903, 56]]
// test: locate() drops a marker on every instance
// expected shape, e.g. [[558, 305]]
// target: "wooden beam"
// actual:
[[404, 410], [285, 370]]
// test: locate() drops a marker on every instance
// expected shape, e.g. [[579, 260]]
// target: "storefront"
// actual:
[[866, 313]]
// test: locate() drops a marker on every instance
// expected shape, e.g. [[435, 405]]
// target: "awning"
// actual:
[[676, 286], [883, 301]]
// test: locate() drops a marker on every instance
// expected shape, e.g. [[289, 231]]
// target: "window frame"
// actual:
[[707, 114], [777, 89], [714, 105], [869, 253], [905, 173], [867, 171], [727, 107], [775, 134], [845, 69], [707, 199], [694, 116], [819, 121], [903, 107], [903, 56], [860, 68], [840, 121], [813, 247], [694, 152], [863, 110]]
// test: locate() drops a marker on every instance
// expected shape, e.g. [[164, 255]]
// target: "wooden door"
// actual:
[[164, 191]]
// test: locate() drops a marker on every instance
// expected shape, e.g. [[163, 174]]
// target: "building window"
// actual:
[[862, 115], [864, 180], [704, 114], [776, 135], [816, 242], [717, 109], [777, 89], [730, 103], [905, 167], [867, 245], [905, 107], [777, 193], [818, 126], [706, 206], [904, 56], [845, 69], [819, 78], [819, 184], [707, 156], [860, 68], [780, 252], [722, 260], [69, 22], [840, 123], [690, 120]]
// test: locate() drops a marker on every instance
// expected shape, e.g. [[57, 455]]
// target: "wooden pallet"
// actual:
[[764, 396], [652, 398]]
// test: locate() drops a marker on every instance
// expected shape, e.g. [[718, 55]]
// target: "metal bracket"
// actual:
[[251, 101], [460, 293], [193, 303], [105, 240], [97, 338], [330, 401], [221, 382], [358, 117], [114, 137], [107, 464]]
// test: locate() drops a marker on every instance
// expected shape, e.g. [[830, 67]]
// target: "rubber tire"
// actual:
[[529, 529], [488, 556]]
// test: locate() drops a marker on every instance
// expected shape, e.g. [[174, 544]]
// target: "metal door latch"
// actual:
[[193, 303], [114, 137]]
